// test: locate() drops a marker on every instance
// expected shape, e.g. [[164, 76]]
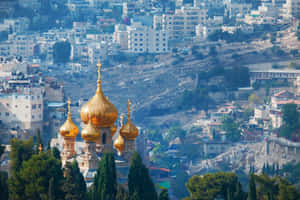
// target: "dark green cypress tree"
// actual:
[[51, 195], [56, 153], [105, 184], [3, 186], [38, 141], [252, 188], [74, 184], [122, 194], [164, 195], [2, 149], [139, 181]]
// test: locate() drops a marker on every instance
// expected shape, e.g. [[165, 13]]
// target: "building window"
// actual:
[[32, 116], [141, 44], [40, 105], [141, 49], [7, 104], [141, 39], [104, 138], [6, 114], [141, 34], [33, 106]]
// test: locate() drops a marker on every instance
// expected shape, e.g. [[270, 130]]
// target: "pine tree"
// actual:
[[139, 182], [252, 188], [164, 195], [20, 151], [74, 185], [105, 183], [35, 175]]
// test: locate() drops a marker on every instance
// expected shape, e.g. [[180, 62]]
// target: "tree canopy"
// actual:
[[290, 120], [61, 52]]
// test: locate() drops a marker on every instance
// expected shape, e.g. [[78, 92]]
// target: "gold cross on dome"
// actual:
[[121, 120], [129, 104], [69, 107], [99, 65]]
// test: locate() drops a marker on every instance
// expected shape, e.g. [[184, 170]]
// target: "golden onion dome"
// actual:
[[90, 133], [113, 130], [119, 144], [69, 129], [129, 130], [102, 112]]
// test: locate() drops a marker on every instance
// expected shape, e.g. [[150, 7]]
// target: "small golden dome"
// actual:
[[113, 130], [69, 129], [129, 130], [90, 133], [119, 144], [102, 112]]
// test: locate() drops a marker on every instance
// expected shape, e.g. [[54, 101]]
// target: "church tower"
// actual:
[[69, 132], [129, 132], [99, 114]]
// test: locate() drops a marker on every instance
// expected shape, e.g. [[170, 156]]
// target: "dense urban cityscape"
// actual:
[[150, 99]]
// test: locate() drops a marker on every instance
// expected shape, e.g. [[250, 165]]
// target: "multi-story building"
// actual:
[[293, 7], [183, 22], [12, 65], [22, 45], [22, 108], [97, 51], [238, 9], [121, 36], [143, 39]]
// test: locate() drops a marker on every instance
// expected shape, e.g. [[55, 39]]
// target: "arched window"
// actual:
[[104, 138]]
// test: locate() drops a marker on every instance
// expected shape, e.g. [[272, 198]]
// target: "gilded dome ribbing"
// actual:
[[129, 130], [102, 112], [69, 129]]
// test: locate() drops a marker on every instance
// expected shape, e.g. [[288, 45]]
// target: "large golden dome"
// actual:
[[119, 144], [69, 129], [102, 112], [90, 133], [129, 130]]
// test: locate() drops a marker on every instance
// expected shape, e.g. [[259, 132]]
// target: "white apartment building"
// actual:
[[238, 9], [183, 22], [120, 36], [97, 51], [12, 65], [142, 39], [22, 45], [22, 109], [203, 31], [129, 8], [293, 7]]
